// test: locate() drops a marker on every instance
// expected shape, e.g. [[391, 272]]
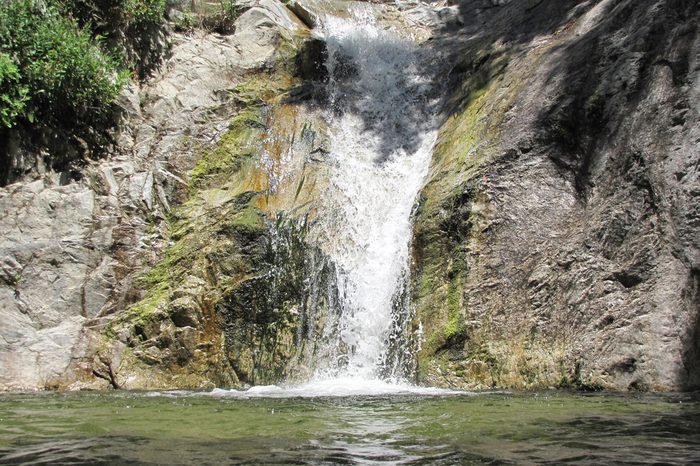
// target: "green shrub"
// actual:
[[217, 16], [186, 21], [222, 20], [13, 94], [132, 28], [143, 14], [54, 72], [109, 17]]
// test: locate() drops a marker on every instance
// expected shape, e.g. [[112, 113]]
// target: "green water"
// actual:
[[489, 428]]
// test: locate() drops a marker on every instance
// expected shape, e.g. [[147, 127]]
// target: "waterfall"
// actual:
[[382, 132]]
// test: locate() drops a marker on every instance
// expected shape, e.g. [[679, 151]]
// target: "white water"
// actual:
[[381, 141], [381, 134], [337, 387]]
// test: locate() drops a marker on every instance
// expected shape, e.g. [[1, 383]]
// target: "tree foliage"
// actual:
[[111, 18], [62, 65], [54, 72], [128, 27], [13, 94]]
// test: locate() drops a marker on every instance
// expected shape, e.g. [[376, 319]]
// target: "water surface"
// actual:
[[223, 428]]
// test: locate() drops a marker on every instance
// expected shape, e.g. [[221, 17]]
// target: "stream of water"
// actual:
[[381, 130], [185, 428]]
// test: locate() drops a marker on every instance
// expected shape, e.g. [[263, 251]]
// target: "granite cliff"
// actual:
[[556, 239]]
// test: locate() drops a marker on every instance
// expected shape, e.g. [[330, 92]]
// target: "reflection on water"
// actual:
[[492, 428]]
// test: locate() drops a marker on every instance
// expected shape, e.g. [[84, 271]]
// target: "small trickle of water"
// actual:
[[382, 132]]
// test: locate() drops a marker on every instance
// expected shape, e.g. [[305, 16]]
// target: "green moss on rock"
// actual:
[[225, 303], [235, 146]]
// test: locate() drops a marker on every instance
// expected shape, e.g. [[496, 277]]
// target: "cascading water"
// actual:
[[382, 132]]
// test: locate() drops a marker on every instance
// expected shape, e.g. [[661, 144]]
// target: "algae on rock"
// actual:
[[230, 300], [543, 240]]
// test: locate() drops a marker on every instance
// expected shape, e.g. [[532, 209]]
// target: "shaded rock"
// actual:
[[556, 238], [311, 61], [184, 312], [574, 269]]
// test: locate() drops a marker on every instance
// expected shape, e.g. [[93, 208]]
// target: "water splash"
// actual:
[[336, 387], [382, 132]]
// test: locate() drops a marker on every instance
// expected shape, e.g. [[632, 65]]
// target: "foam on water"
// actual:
[[338, 387]]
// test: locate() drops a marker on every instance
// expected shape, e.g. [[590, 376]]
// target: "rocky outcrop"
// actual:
[[56, 274], [240, 296], [75, 245], [557, 238]]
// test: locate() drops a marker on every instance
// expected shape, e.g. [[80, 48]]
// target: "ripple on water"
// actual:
[[398, 427]]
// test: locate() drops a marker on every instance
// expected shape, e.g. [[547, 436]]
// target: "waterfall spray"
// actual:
[[382, 132]]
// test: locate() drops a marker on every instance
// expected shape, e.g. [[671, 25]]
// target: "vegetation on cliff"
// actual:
[[56, 73], [212, 17], [62, 66]]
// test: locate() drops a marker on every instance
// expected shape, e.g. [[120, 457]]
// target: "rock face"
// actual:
[[557, 238], [56, 274], [75, 245]]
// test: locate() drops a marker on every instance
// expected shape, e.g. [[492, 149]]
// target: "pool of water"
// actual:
[[233, 428]]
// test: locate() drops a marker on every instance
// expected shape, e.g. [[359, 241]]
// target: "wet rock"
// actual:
[[311, 60], [582, 274], [556, 239], [75, 245]]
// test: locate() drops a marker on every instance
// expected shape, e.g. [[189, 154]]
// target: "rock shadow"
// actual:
[[471, 45], [478, 38], [615, 123], [691, 355], [397, 117], [604, 72]]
